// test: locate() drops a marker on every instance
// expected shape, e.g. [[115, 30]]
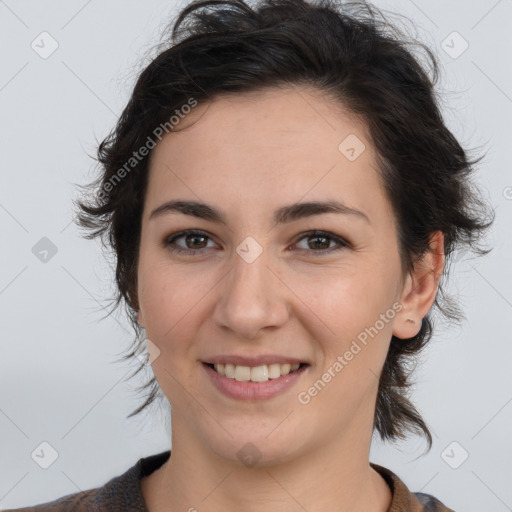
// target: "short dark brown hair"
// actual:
[[349, 51]]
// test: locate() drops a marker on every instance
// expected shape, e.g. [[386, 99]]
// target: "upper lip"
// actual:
[[253, 361]]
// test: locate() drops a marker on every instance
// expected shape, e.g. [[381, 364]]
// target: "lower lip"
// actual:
[[252, 391]]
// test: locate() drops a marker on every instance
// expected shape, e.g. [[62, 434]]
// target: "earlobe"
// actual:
[[420, 289]]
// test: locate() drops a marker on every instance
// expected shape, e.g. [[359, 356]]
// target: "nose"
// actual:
[[252, 297]]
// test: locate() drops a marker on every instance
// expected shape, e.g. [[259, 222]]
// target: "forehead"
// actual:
[[281, 143], [279, 114]]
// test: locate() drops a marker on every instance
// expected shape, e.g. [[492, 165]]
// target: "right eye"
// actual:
[[194, 237]]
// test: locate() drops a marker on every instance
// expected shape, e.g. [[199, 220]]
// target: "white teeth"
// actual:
[[259, 373], [255, 373], [242, 373], [274, 371], [285, 368], [230, 371]]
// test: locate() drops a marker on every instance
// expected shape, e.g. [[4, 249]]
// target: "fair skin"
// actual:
[[248, 155]]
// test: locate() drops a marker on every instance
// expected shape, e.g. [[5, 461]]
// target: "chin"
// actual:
[[257, 448]]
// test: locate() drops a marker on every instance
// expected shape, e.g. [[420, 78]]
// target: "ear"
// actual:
[[420, 289]]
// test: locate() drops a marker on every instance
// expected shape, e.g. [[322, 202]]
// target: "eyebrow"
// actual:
[[282, 215]]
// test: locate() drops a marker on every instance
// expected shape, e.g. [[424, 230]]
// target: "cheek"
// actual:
[[175, 300], [356, 315], [165, 298], [170, 304], [347, 302]]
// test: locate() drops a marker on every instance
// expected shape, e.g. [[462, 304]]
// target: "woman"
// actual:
[[282, 196]]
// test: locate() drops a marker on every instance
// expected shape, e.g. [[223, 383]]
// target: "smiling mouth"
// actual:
[[260, 373]]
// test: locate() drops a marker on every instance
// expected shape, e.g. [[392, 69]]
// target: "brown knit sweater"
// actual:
[[123, 493]]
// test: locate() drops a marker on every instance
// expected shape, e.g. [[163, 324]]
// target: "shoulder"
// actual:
[[430, 503], [405, 500], [121, 493], [79, 501]]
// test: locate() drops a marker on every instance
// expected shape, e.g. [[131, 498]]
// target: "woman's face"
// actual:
[[258, 290]]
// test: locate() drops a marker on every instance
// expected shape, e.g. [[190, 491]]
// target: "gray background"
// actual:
[[58, 380]]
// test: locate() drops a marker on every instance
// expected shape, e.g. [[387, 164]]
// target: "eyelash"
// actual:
[[169, 241]]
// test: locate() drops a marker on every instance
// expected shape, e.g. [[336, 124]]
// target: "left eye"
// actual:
[[322, 240], [320, 246]]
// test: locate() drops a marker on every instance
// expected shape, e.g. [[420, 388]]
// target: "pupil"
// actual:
[[195, 237], [320, 238]]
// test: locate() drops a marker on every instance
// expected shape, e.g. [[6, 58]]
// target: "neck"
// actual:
[[329, 477]]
